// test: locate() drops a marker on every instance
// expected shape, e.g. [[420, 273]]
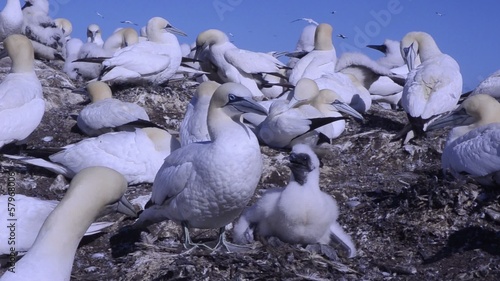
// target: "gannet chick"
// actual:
[[94, 35], [66, 27], [289, 123], [137, 155], [472, 145], [31, 212], [154, 61], [207, 184], [433, 87], [21, 99], [51, 256], [72, 69], [11, 19], [233, 64], [47, 39], [300, 213], [194, 125], [105, 113], [319, 61]]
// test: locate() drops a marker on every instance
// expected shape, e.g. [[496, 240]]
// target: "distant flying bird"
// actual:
[[311, 21], [342, 36], [333, 12], [129, 22], [230, 34], [99, 14], [439, 14]]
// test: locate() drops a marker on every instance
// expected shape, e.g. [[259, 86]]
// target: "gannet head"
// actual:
[[40, 5], [93, 32], [129, 36], [208, 38], [234, 99], [327, 96], [206, 89], [323, 37], [98, 90], [303, 161], [417, 44], [158, 25], [65, 26], [20, 50], [305, 91]]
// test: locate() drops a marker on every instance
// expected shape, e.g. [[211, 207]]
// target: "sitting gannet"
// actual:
[[300, 213], [207, 184], [11, 19], [21, 100]]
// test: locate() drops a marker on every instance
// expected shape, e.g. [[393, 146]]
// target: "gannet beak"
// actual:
[[125, 207], [410, 56], [347, 109], [381, 48], [26, 5], [458, 117], [174, 30], [246, 105]]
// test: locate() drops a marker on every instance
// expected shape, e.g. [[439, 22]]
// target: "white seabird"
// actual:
[[304, 45], [137, 155], [72, 69], [300, 213], [194, 125], [433, 87], [207, 184], [30, 214], [319, 61], [21, 100], [154, 61], [51, 256], [489, 86], [472, 147], [11, 19], [66, 27], [234, 64], [106, 113], [47, 39]]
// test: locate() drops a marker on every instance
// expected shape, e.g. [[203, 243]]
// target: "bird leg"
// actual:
[[230, 247]]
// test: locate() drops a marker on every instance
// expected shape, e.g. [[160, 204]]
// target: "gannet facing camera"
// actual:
[[208, 184], [21, 100], [300, 213]]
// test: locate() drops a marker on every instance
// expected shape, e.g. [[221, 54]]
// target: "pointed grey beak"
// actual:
[[246, 105], [345, 108], [381, 48], [459, 117], [125, 207], [410, 56], [175, 31]]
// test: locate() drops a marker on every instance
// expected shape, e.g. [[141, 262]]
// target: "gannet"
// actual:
[[129, 22], [234, 64], [72, 69], [433, 87], [194, 125], [94, 35], [30, 214], [47, 39], [300, 213], [341, 36], [137, 155], [11, 19], [106, 113], [155, 60], [304, 45], [319, 61], [51, 256], [472, 146], [310, 21], [489, 86], [294, 122], [207, 184], [66, 27], [121, 38], [21, 100]]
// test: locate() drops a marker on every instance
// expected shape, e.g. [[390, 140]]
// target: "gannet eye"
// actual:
[[406, 50], [168, 26], [231, 97]]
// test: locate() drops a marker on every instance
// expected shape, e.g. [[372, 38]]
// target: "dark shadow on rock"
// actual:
[[468, 239], [124, 241], [383, 123]]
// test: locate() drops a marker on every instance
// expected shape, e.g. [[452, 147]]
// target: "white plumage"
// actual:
[[11, 19], [21, 100], [137, 155], [51, 256], [299, 213], [208, 184]]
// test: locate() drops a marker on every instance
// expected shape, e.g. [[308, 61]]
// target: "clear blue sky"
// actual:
[[467, 30]]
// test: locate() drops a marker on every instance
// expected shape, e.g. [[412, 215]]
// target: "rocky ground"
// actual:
[[408, 220]]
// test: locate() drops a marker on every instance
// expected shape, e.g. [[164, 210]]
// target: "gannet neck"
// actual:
[[423, 43], [222, 127], [210, 37], [323, 37], [130, 37], [55, 246], [20, 50], [98, 91], [161, 139]]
